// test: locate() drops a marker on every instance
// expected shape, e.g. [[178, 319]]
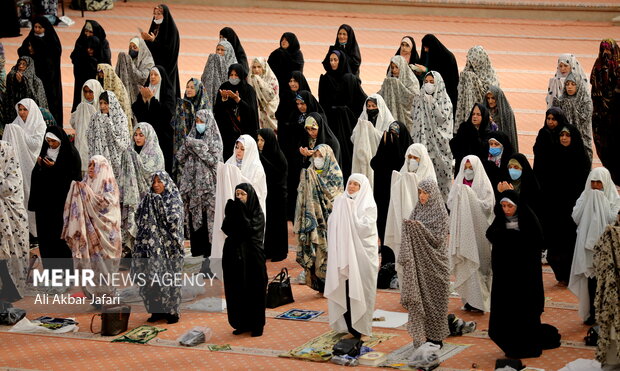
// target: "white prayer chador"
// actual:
[[252, 168], [26, 137], [471, 214], [80, 118], [404, 196], [556, 83], [593, 211], [366, 137], [353, 255]]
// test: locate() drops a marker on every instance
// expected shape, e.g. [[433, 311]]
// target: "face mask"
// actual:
[[495, 151], [429, 88], [318, 162], [158, 21], [133, 53], [412, 165], [514, 173], [234, 80], [469, 174], [201, 128], [40, 35], [372, 114]]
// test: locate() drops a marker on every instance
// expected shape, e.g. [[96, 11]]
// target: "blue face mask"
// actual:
[[201, 128], [515, 173], [495, 151]]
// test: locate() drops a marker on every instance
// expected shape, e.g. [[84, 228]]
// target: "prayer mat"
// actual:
[[384, 318], [300, 314], [140, 335], [320, 348], [219, 348], [400, 357]]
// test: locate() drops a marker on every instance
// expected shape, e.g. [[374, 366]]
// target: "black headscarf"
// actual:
[[471, 141], [546, 140], [165, 48], [441, 59], [343, 64], [233, 39], [287, 104], [529, 188], [312, 105], [85, 65], [100, 34], [47, 53], [245, 219], [287, 60], [351, 49], [494, 172]]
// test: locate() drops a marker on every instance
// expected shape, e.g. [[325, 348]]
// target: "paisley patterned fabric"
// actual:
[[267, 93], [112, 82]]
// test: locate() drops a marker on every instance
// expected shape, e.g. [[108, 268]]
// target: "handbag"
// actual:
[[350, 347], [114, 319], [279, 290]]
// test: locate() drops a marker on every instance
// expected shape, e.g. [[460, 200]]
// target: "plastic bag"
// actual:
[[195, 336], [32, 327]]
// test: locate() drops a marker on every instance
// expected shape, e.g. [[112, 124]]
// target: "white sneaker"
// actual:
[[427, 355]]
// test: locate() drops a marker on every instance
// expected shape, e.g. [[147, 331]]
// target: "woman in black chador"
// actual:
[[43, 46], [347, 43], [243, 262], [275, 165], [517, 295], [235, 108], [164, 42], [57, 166], [342, 97], [284, 60], [434, 56], [230, 35]]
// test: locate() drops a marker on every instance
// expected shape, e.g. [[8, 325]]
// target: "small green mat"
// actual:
[[320, 348], [140, 335]]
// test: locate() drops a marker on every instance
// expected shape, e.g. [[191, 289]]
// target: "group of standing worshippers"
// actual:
[[148, 165]]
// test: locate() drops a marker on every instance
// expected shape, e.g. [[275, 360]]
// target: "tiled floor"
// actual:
[[523, 52]]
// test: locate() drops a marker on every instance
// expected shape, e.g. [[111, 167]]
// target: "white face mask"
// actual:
[[412, 165], [428, 88], [40, 35], [469, 174], [158, 21], [318, 162]]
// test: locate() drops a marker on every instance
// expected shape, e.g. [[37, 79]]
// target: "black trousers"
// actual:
[[347, 314]]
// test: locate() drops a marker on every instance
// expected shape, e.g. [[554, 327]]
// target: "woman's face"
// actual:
[[565, 138], [491, 102], [371, 105], [564, 68], [38, 29], [571, 88], [190, 89], [312, 132], [22, 111], [154, 78], [468, 166], [260, 143], [158, 12], [394, 69], [91, 170], [241, 195], [293, 84], [353, 187], [104, 106], [284, 43], [413, 157], [333, 61], [508, 208], [233, 73], [343, 36], [476, 117], [429, 78], [422, 196], [239, 150], [89, 95], [133, 46], [494, 144], [22, 65], [158, 185], [405, 48], [52, 143], [88, 33], [552, 123], [596, 185], [301, 106], [138, 137], [221, 50], [257, 69]]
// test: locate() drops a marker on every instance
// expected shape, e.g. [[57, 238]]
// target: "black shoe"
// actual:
[[172, 318], [239, 331], [590, 321], [469, 308], [155, 317], [257, 333]]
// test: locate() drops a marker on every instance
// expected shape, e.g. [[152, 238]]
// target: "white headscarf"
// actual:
[[52, 152], [353, 255], [384, 118], [593, 211], [156, 88], [425, 170], [251, 167], [81, 117]]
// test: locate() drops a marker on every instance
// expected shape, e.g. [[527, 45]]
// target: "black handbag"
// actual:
[[114, 319], [350, 347], [279, 290]]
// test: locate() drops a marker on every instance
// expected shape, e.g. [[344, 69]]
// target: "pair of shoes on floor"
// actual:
[[170, 318], [426, 356]]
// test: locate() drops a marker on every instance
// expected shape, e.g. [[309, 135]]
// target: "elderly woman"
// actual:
[[266, 86], [159, 247]]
